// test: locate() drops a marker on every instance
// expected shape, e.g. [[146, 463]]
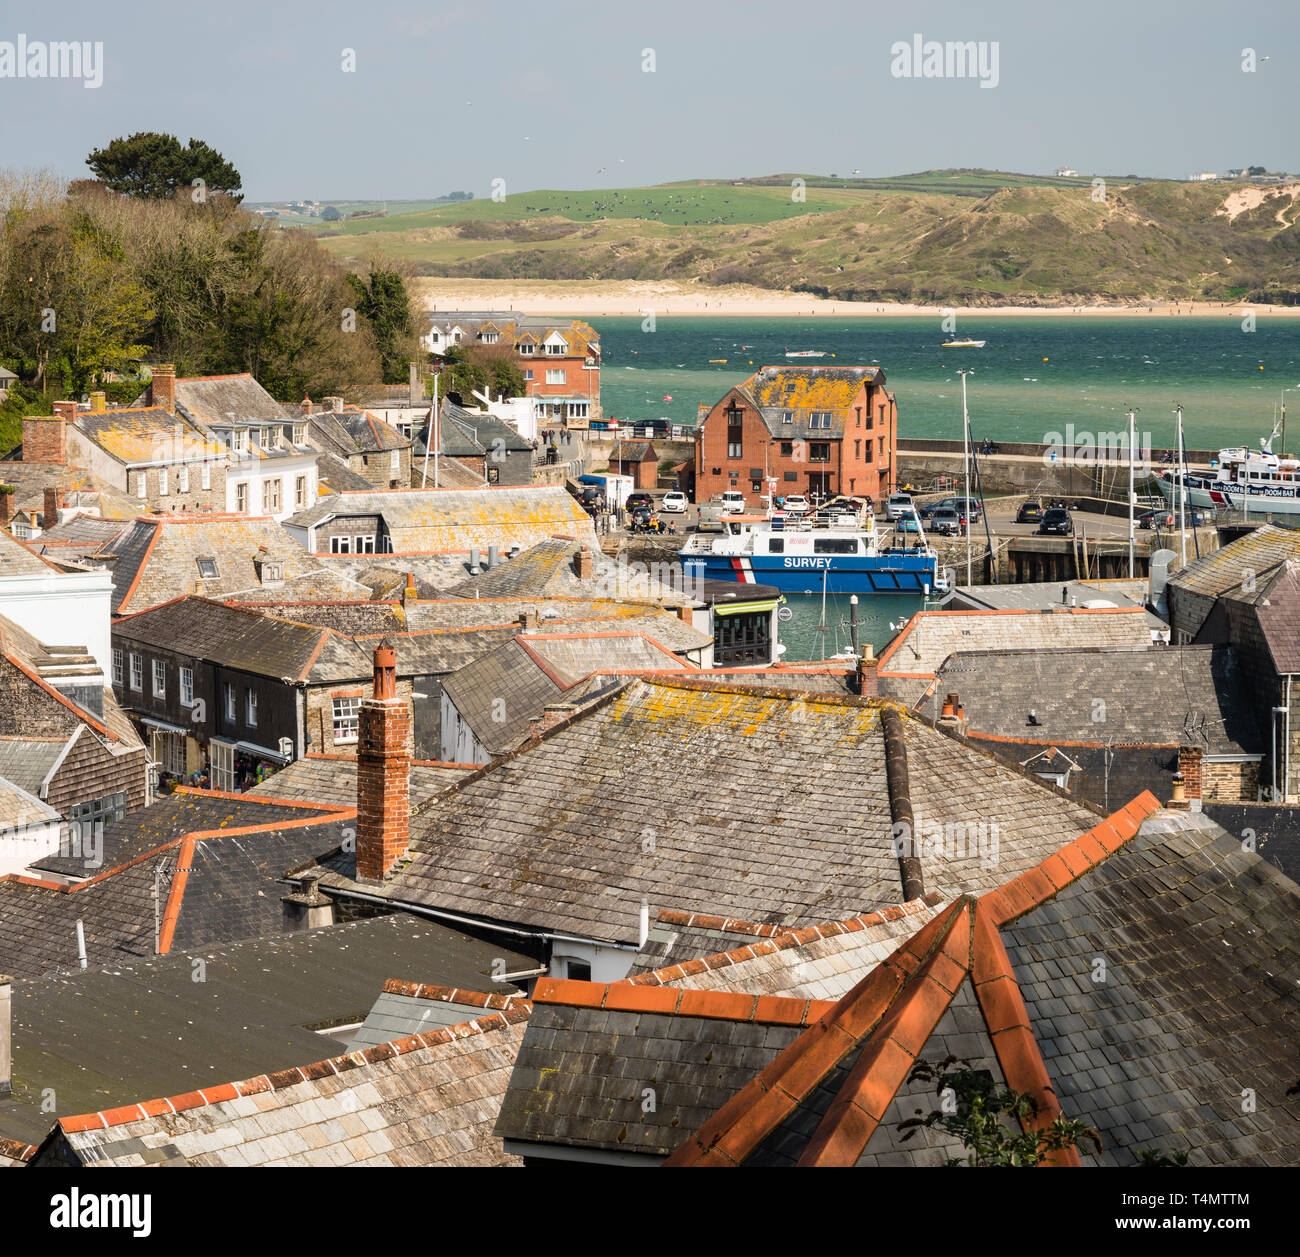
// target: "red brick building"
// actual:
[[813, 430]]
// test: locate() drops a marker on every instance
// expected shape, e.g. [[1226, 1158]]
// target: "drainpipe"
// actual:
[[1276, 712]]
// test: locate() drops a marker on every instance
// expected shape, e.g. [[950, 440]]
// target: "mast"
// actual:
[[965, 458], [1132, 540], [1182, 483]]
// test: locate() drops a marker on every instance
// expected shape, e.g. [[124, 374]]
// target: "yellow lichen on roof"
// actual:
[[744, 712], [807, 389]]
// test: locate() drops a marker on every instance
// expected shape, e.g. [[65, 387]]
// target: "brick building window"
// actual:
[[159, 679], [735, 432], [187, 687], [346, 719], [162, 482], [556, 376], [300, 491], [137, 672], [117, 667], [819, 452]]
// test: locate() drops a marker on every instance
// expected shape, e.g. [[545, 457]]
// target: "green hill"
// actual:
[[959, 236]]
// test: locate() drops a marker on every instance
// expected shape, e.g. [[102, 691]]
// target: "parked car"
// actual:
[[1056, 522], [1029, 513], [796, 504], [898, 505], [971, 508], [947, 522], [674, 502], [907, 523], [639, 502]]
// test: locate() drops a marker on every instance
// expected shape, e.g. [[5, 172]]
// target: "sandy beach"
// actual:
[[664, 298]]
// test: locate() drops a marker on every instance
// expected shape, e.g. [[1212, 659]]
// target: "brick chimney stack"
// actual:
[[305, 406], [332, 405], [866, 677], [98, 401], [162, 387], [586, 564], [408, 593], [6, 509], [45, 440], [53, 503], [383, 772]]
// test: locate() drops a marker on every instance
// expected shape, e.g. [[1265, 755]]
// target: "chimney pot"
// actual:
[[98, 401], [305, 406]]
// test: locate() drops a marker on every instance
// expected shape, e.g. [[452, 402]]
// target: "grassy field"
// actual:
[[951, 237]]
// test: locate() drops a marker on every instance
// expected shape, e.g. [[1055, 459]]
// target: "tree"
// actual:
[[330, 215], [490, 369], [154, 165], [992, 1122], [384, 303]]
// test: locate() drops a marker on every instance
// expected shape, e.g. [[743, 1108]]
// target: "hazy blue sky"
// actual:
[[444, 94]]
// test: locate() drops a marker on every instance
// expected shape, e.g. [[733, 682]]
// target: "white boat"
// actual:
[[804, 353], [1242, 480], [963, 344]]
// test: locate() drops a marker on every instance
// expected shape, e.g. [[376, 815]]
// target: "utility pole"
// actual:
[[1132, 454], [965, 458], [1182, 483]]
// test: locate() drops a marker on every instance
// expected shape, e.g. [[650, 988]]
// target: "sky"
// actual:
[[451, 96]]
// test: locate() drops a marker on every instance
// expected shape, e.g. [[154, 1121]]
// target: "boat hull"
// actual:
[[883, 573], [1215, 495]]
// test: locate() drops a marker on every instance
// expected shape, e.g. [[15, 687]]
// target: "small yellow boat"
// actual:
[[717, 362]]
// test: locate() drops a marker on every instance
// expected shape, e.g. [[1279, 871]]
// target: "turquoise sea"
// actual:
[[1034, 375]]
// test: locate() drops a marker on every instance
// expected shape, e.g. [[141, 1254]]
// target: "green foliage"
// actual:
[[485, 368], [1157, 1160], [385, 305], [993, 1123], [152, 164], [21, 400], [330, 215]]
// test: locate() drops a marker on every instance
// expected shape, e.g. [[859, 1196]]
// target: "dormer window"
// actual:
[[300, 434], [526, 348], [491, 338], [787, 416]]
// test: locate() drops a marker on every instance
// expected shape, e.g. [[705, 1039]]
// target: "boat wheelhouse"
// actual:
[[797, 558], [1243, 480]]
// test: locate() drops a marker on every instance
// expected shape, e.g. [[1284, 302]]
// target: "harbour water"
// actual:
[[879, 619], [1033, 376]]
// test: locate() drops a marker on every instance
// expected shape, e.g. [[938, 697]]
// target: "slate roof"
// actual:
[[220, 400], [20, 808], [84, 530], [214, 886], [132, 1031], [1277, 607], [338, 477], [229, 635], [18, 559], [332, 779], [929, 637], [28, 762], [549, 569], [1173, 696], [728, 782], [421, 653], [428, 1100], [80, 489], [351, 432], [346, 616], [1197, 1004], [447, 520], [157, 560], [147, 434], [466, 433], [1224, 569], [631, 451], [407, 1008], [184, 811], [1036, 595]]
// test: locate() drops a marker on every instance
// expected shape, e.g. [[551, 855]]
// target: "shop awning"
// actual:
[[163, 725], [262, 752]]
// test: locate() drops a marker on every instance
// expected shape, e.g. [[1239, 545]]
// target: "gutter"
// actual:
[[477, 923]]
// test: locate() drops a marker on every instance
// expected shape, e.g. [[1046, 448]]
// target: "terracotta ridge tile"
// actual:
[[16, 1150], [450, 995]]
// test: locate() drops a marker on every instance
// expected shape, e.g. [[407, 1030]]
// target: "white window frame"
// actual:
[[187, 687], [271, 494], [363, 545], [159, 679], [241, 498], [221, 761], [162, 482], [250, 707], [231, 699], [340, 545], [346, 713], [300, 434], [555, 375], [118, 671], [182, 479], [205, 477], [300, 491], [141, 484], [395, 461], [137, 672]]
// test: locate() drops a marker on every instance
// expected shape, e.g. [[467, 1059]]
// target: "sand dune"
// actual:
[[665, 298]]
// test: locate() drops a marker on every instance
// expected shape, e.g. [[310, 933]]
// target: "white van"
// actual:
[[733, 502]]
